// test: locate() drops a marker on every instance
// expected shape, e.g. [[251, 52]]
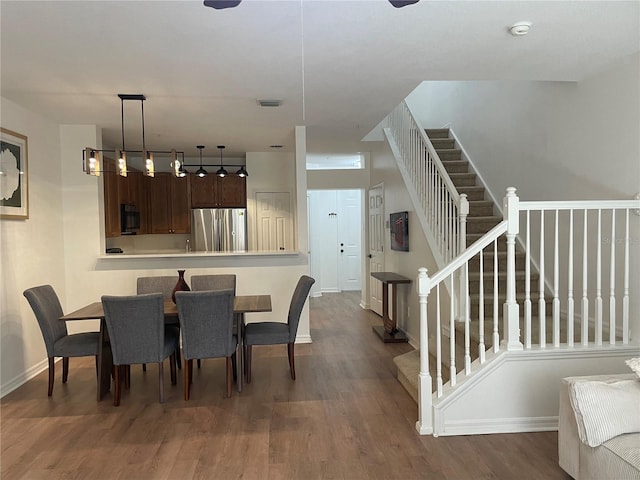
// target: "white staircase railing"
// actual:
[[440, 209], [589, 243]]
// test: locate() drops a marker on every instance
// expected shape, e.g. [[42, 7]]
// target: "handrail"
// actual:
[[578, 204], [436, 158]]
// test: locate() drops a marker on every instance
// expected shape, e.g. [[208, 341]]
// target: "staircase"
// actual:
[[482, 218]]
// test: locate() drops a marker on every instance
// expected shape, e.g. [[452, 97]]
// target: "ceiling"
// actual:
[[337, 66]]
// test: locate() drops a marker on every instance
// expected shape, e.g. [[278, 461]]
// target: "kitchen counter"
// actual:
[[185, 255]]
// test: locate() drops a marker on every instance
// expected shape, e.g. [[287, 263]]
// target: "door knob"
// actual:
[[370, 256]]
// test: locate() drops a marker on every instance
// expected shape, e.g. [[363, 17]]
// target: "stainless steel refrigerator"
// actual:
[[219, 229]]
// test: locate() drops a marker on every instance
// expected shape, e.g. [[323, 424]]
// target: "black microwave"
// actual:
[[129, 219]]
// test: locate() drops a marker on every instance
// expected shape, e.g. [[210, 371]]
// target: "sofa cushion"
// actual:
[[604, 410]]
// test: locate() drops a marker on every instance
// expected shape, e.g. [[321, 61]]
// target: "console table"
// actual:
[[389, 332]]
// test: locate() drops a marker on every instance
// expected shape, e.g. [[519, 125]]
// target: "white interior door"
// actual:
[[376, 245], [350, 238], [274, 221]]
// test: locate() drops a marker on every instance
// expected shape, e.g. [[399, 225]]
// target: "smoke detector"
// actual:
[[519, 29], [269, 103]]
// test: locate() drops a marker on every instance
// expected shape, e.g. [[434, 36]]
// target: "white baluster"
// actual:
[[625, 293], [598, 301], [527, 285], [467, 325], [438, 344], [570, 306], [584, 332], [464, 212], [424, 425], [542, 314], [481, 347], [612, 281], [556, 301], [496, 335], [452, 337]]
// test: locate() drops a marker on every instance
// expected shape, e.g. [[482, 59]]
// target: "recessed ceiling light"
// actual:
[[520, 28]]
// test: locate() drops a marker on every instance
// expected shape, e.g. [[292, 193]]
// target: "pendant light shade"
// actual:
[[92, 162], [221, 171], [201, 172], [121, 155], [242, 172]]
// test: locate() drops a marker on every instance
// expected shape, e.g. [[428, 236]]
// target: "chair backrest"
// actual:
[[213, 282], [47, 309], [162, 284], [136, 327], [206, 322], [300, 295]]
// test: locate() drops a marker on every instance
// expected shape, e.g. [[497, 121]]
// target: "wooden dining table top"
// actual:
[[241, 304]]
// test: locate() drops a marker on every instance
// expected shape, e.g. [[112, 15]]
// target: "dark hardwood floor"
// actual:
[[345, 417]]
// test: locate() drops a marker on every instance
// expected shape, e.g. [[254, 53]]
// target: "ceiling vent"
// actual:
[[270, 103]]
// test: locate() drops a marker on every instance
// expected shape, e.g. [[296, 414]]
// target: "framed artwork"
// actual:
[[14, 181], [399, 223]]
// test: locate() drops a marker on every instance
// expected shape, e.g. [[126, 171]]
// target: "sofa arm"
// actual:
[[568, 440]]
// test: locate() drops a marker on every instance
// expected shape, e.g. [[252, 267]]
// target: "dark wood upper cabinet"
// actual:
[[169, 204], [212, 191], [111, 199]]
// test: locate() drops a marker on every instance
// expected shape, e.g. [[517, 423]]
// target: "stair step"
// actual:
[[474, 237], [487, 260], [447, 154], [481, 208], [481, 224], [442, 142], [487, 281], [437, 132], [463, 179], [473, 192], [408, 368], [456, 166]]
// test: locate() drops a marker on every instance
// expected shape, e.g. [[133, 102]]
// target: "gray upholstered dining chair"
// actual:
[[136, 330], [59, 343], [206, 320], [223, 281], [274, 333], [164, 285]]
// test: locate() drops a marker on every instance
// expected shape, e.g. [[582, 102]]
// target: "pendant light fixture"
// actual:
[[92, 162], [221, 171], [242, 172], [201, 172]]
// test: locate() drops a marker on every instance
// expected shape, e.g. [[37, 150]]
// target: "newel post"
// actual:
[[424, 425], [511, 309]]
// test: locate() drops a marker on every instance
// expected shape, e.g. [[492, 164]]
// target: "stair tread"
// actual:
[[501, 274], [485, 218]]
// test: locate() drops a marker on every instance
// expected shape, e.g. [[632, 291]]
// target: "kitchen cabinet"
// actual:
[[111, 200], [212, 191], [169, 210]]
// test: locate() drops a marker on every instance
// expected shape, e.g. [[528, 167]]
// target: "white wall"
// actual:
[[550, 140], [384, 170], [31, 251], [61, 241]]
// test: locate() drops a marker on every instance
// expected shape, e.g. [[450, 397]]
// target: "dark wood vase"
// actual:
[[181, 286]]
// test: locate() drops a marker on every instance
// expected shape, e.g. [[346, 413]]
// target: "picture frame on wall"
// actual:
[[399, 226], [14, 180]]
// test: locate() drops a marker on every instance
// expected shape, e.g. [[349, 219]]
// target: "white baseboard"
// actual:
[[24, 377], [499, 425]]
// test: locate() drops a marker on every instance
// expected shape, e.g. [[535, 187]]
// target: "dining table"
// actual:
[[242, 304]]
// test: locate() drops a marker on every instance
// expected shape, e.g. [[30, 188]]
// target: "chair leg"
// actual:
[[144, 367], [190, 372], [178, 358], [65, 369], [161, 381], [172, 368], [116, 383], [292, 362], [52, 375], [198, 363], [248, 363], [235, 367], [187, 382], [127, 376], [229, 377], [96, 357]]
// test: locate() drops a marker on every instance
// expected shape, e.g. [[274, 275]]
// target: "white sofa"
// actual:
[[617, 458]]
